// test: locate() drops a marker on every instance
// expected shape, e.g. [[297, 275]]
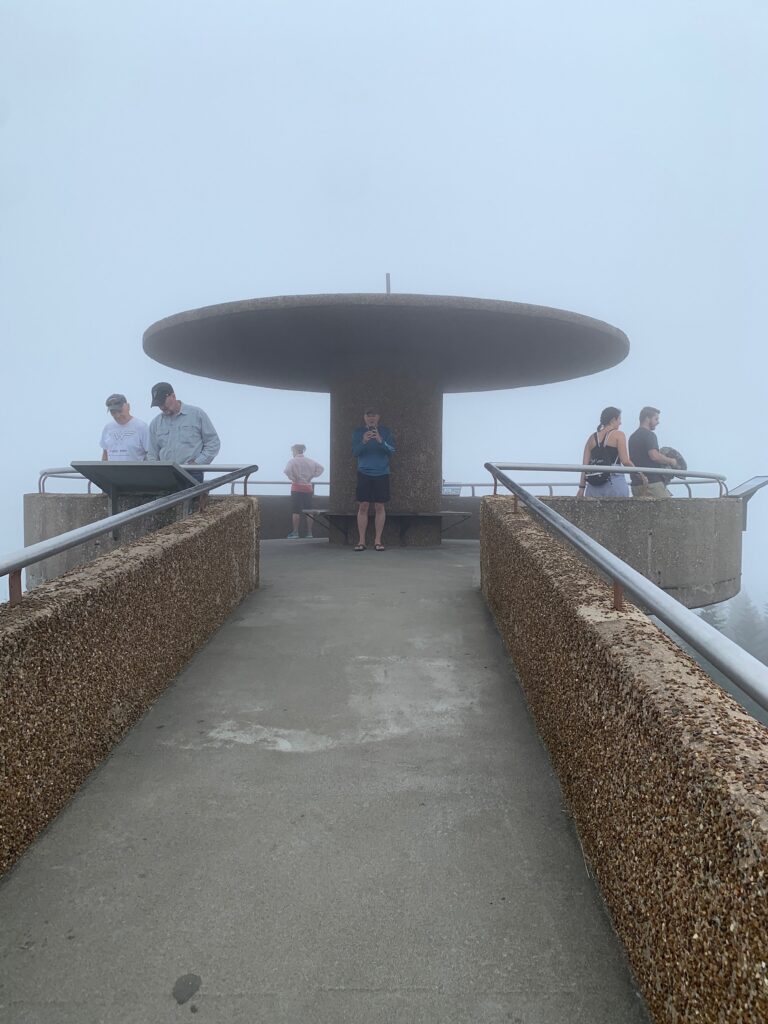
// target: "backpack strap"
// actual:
[[617, 460]]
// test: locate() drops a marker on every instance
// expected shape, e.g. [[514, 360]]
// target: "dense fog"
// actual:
[[605, 158]]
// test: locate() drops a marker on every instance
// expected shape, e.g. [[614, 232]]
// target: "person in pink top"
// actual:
[[301, 471]]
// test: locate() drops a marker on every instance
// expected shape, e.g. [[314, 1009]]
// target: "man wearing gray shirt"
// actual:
[[181, 433]]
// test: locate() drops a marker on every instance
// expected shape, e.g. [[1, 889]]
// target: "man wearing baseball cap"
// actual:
[[124, 438], [181, 433]]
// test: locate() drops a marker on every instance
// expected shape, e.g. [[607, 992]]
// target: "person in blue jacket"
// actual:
[[372, 445]]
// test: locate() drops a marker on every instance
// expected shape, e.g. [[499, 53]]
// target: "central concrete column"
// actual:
[[413, 410]]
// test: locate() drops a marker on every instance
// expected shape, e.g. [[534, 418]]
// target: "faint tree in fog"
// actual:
[[761, 646], [742, 622], [747, 627], [715, 615]]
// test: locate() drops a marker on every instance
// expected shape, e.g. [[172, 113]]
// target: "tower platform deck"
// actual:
[[340, 812]]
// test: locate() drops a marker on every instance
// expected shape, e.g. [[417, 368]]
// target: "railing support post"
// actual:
[[618, 596], [14, 587]]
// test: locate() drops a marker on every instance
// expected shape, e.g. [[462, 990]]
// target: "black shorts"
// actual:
[[301, 500], [372, 488]]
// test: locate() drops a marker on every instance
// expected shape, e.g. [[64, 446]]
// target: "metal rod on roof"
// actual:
[[388, 288]]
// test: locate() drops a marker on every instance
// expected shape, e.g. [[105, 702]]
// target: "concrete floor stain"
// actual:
[[185, 987]]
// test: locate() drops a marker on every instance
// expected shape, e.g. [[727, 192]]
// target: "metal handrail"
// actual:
[[61, 473], [283, 483], [67, 472], [11, 565], [747, 491], [551, 484], [691, 476], [749, 674]]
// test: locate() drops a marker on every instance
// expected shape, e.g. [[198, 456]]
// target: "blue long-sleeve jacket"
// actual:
[[373, 456]]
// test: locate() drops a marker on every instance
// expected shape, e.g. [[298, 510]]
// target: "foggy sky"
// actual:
[[604, 157]]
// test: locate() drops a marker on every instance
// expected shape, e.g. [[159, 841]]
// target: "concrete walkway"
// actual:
[[340, 812]]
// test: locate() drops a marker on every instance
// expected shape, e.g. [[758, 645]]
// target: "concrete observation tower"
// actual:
[[399, 352]]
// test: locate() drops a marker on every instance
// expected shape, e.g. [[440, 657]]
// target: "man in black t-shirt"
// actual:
[[644, 451]]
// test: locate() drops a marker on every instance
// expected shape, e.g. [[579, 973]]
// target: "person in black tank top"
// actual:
[[608, 446]]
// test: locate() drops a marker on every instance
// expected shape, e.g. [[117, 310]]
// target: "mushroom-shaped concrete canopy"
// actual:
[[397, 353], [315, 342]]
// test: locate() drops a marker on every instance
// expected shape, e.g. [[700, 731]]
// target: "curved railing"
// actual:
[[449, 487], [282, 483], [552, 485], [688, 477], [11, 565], [746, 672]]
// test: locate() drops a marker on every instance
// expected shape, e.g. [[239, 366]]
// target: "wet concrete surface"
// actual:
[[340, 812]]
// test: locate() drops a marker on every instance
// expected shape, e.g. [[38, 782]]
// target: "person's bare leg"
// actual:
[[380, 516], [308, 521], [362, 521], [295, 518]]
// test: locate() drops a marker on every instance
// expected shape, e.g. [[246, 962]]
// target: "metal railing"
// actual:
[[747, 491], [448, 486], [689, 477], [11, 565], [746, 672], [445, 485], [552, 485], [282, 483]]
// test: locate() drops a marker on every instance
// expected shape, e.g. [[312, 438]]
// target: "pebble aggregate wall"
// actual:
[[83, 656], [665, 776]]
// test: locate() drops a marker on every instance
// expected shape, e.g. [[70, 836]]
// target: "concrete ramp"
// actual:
[[341, 812]]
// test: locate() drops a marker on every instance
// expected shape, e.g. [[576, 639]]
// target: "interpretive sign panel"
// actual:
[[136, 477]]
